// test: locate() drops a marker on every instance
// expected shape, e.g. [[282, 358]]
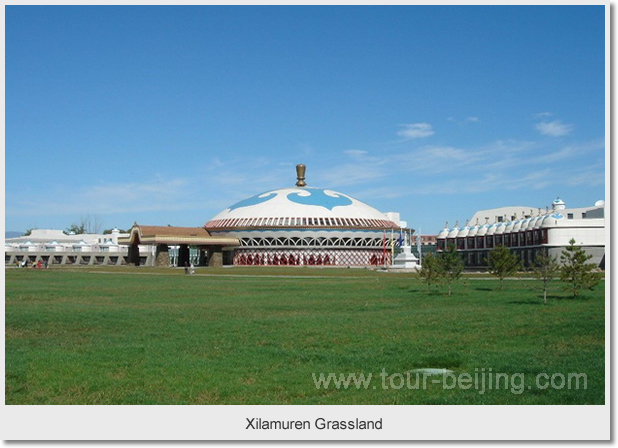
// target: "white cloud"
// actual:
[[436, 159], [352, 173], [543, 115], [488, 182], [305, 149], [380, 193], [513, 154], [557, 156], [503, 164], [415, 130], [554, 128], [355, 153], [156, 194], [464, 121], [447, 153], [588, 176]]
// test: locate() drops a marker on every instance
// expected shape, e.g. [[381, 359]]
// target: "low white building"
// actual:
[[56, 247], [526, 232]]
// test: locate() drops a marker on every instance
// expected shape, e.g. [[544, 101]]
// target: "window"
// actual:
[[569, 215], [480, 242]]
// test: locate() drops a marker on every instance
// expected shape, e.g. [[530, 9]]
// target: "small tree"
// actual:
[[77, 229], [430, 271], [451, 266], [502, 263], [545, 269], [87, 224], [575, 271]]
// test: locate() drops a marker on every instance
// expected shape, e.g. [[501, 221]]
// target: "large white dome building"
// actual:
[[305, 226]]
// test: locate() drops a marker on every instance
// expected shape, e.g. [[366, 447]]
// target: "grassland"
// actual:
[[256, 336]]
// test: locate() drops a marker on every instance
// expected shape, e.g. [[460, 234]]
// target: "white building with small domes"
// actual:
[[526, 231], [57, 247]]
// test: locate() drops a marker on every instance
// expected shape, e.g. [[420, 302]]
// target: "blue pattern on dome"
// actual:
[[319, 198], [254, 200], [557, 216]]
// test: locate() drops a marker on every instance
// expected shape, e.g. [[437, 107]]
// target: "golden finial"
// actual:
[[300, 175]]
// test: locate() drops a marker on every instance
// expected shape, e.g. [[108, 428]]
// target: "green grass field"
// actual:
[[257, 335]]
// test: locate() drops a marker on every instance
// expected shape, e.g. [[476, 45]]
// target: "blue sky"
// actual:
[[167, 115]]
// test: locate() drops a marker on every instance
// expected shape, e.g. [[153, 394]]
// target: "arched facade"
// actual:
[[526, 232]]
